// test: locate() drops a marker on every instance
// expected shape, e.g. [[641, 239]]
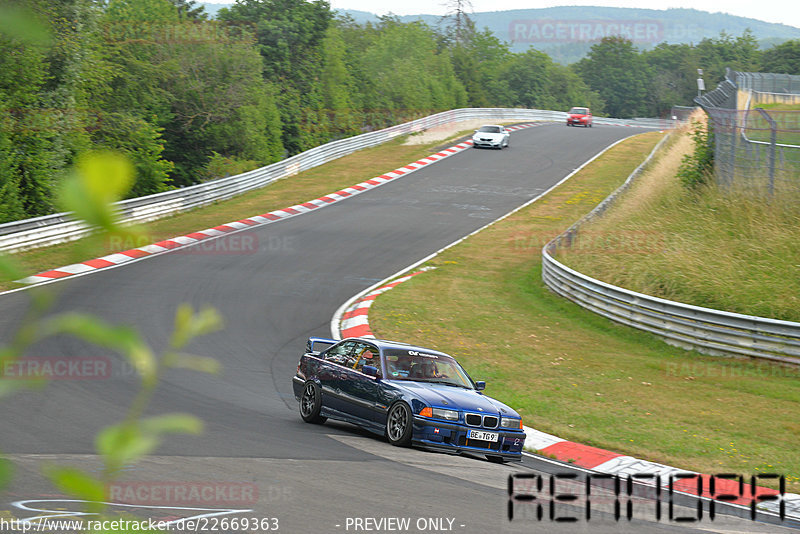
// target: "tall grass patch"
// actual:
[[715, 247]]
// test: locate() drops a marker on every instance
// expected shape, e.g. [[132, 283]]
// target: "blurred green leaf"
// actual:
[[76, 483], [189, 325], [11, 380], [122, 444], [172, 423], [24, 25], [202, 364], [9, 270], [99, 180], [72, 198], [9, 387], [125, 443], [6, 472], [106, 176], [144, 362], [94, 330]]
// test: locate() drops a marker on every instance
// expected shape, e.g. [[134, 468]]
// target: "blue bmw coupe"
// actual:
[[411, 395]]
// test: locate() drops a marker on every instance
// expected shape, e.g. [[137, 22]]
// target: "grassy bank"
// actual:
[[779, 107], [720, 249], [582, 377], [332, 176]]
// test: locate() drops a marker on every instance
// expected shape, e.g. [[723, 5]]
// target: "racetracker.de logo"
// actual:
[[184, 493], [570, 31], [56, 368], [239, 243]]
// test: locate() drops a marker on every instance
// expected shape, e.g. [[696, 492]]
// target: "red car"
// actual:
[[580, 117]]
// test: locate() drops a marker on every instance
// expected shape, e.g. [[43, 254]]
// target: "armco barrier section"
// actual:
[[60, 228], [703, 329]]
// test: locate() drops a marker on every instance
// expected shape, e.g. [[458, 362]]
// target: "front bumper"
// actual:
[[452, 438], [489, 143]]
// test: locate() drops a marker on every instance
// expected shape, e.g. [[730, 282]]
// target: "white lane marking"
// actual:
[[59, 512]]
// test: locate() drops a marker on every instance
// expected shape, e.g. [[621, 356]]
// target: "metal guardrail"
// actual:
[[703, 329], [60, 227]]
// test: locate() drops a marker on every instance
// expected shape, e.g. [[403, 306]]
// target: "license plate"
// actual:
[[485, 436]]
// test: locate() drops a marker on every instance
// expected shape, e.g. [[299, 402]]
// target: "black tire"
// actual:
[[399, 425], [311, 404]]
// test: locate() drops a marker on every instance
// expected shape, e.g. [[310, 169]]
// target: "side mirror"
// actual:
[[480, 385], [369, 370]]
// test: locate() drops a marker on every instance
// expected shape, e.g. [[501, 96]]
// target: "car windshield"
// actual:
[[489, 129], [420, 366], [579, 111]]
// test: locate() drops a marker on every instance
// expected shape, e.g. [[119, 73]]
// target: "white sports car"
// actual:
[[492, 136]]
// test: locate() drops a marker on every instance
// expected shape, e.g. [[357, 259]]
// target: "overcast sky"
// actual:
[[782, 11]]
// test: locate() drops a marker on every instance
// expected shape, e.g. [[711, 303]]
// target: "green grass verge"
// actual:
[[579, 376], [779, 107], [722, 249], [785, 122], [332, 176]]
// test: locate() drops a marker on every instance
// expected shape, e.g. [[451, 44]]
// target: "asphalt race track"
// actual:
[[273, 296]]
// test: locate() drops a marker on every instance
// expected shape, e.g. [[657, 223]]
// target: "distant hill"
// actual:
[[566, 33]]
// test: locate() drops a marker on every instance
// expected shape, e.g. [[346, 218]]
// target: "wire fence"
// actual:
[[756, 133], [765, 82]]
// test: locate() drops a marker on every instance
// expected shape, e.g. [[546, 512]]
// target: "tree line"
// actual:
[[647, 83], [187, 98]]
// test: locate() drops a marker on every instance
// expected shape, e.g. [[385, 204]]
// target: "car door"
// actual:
[[334, 373], [360, 391]]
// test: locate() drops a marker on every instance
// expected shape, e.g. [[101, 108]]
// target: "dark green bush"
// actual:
[[697, 168]]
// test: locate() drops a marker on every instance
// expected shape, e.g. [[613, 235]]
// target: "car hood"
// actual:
[[455, 398], [577, 116], [488, 135]]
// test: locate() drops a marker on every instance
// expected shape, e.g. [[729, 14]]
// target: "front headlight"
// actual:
[[511, 422], [441, 413]]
